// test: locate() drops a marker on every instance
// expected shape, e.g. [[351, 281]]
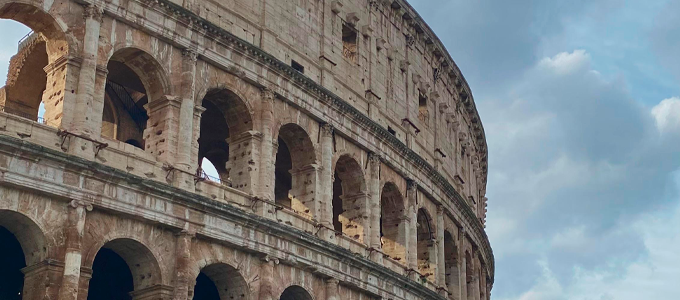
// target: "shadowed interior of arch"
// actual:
[[220, 282], [121, 267], [392, 222], [295, 293], [225, 119], [12, 261], [451, 273], [22, 243], [295, 170], [124, 117], [350, 201], [426, 244]]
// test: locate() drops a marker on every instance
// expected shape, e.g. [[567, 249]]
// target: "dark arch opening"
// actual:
[[295, 293], [124, 117], [12, 260], [111, 277], [225, 121], [294, 169], [451, 271], [205, 289], [283, 178], [350, 201], [122, 267], [392, 222], [220, 282], [213, 141], [425, 244]]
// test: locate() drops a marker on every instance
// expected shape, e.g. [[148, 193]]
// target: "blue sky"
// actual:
[[580, 101]]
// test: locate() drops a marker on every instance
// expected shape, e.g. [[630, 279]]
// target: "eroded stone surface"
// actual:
[[362, 178]]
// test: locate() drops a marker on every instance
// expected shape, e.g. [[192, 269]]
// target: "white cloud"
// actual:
[[565, 63], [667, 114]]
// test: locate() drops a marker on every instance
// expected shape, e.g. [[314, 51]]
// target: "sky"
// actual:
[[580, 101]]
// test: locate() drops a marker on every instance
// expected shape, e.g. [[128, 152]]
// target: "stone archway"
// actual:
[[23, 245], [124, 269], [225, 134], [393, 223], [426, 244], [451, 268], [220, 282], [350, 199], [38, 72], [134, 79], [295, 292], [296, 171]]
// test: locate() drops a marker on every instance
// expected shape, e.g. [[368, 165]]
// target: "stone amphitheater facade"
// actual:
[[351, 159]]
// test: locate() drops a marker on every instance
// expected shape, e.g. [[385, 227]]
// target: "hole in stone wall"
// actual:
[[349, 43], [297, 66]]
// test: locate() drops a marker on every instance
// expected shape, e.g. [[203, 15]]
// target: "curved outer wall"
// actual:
[[384, 150]]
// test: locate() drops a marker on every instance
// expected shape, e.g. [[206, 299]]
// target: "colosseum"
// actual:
[[349, 158]]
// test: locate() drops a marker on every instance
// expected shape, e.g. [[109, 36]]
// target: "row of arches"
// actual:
[[122, 268], [135, 78]]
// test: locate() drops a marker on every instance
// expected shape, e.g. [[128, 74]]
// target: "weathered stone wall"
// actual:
[[148, 205]]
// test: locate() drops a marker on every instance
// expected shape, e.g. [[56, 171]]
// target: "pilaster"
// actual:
[[72, 262]]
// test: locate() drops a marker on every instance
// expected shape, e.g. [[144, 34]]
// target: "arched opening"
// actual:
[[295, 292], [22, 244], [225, 122], [426, 244], [469, 276], [392, 223], [111, 277], [12, 261], [31, 74], [124, 117], [121, 269], [295, 170], [350, 202], [220, 282], [451, 271]]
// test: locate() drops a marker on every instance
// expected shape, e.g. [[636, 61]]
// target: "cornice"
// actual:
[[324, 95]]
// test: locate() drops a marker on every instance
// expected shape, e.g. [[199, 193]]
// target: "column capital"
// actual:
[[268, 94], [411, 185], [190, 55], [332, 281], [186, 233], [269, 259], [326, 129], [373, 158], [79, 203], [93, 12], [440, 209]]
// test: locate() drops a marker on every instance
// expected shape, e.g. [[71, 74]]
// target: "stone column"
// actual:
[[267, 285], [183, 265], [441, 269], [72, 261], [185, 162], [81, 122], [411, 240], [374, 205], [332, 289], [160, 135], [325, 190], [268, 159]]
